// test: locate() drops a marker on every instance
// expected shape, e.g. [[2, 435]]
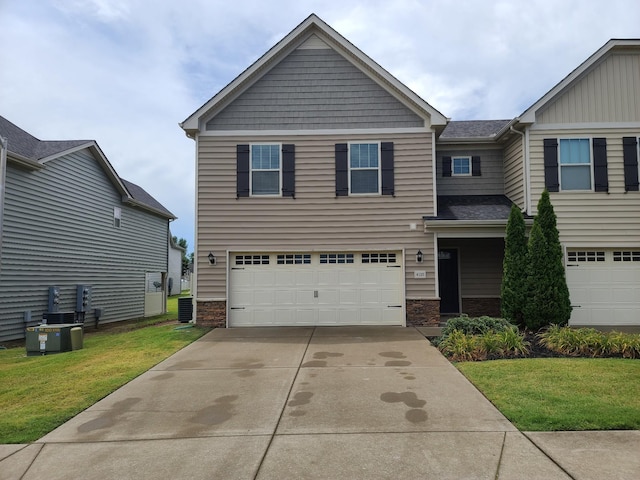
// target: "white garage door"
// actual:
[[363, 288], [604, 287]]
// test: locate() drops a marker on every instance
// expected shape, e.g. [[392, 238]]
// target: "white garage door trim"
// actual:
[[316, 288], [604, 286]]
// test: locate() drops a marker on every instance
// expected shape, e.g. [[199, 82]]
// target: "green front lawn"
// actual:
[[550, 394]]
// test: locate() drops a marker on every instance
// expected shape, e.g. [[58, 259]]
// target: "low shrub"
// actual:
[[476, 325], [463, 347], [588, 342]]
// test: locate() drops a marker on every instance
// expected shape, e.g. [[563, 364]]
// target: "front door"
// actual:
[[448, 280]]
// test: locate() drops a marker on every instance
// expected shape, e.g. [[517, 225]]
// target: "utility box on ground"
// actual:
[[185, 309], [47, 339]]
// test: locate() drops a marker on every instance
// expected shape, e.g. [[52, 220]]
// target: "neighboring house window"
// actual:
[[117, 217], [265, 169], [364, 168], [262, 171], [575, 164]]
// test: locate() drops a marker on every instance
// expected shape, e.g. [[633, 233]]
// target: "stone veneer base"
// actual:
[[477, 307]]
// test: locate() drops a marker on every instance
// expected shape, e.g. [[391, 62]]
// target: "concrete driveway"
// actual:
[[291, 403]]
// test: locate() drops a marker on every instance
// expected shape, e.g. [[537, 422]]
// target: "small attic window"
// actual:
[[117, 217]]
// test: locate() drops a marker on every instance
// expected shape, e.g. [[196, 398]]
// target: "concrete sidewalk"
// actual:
[[356, 403]]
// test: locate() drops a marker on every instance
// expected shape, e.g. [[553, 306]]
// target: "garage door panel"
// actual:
[[604, 291], [336, 291]]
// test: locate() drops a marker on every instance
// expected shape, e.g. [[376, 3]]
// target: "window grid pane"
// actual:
[[252, 259], [461, 166], [265, 169], [294, 259], [627, 256], [586, 256], [326, 258], [378, 258]]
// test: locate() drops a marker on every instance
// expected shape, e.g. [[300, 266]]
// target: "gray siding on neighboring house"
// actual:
[[316, 219], [314, 89], [58, 230], [490, 182]]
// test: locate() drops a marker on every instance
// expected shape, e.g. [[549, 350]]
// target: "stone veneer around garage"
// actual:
[[419, 313]]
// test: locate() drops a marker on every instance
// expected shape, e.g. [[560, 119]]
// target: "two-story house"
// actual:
[[328, 193]]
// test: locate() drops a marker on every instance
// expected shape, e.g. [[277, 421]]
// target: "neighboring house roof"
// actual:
[[310, 26], [529, 115], [33, 153], [143, 198], [472, 207], [473, 129]]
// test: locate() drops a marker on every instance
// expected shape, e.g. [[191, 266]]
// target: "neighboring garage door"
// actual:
[[604, 287], [360, 288]]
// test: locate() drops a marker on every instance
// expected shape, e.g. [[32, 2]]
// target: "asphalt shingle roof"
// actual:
[[140, 194], [473, 129], [473, 207]]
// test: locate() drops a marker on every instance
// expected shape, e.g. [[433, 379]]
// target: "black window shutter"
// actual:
[[551, 165], [289, 170], [630, 156], [342, 170], [600, 165], [242, 171], [475, 167], [387, 168], [446, 166]]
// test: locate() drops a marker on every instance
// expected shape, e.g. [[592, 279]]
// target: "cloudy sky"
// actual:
[[126, 72]]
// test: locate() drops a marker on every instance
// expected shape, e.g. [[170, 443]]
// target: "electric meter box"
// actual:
[[47, 339]]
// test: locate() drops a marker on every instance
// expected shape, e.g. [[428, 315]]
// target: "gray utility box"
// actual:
[[46, 339]]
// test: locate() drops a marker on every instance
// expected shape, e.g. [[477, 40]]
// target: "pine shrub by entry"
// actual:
[[514, 279]]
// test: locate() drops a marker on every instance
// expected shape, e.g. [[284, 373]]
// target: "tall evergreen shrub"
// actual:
[[514, 269], [547, 292]]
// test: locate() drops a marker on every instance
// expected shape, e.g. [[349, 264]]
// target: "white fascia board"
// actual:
[[23, 162], [332, 132], [193, 123], [529, 115]]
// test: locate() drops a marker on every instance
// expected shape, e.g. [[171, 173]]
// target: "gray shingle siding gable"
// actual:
[[58, 230], [314, 89]]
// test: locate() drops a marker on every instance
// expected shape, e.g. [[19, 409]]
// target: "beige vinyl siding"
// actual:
[[315, 220], [480, 264], [514, 171], [591, 218], [491, 182], [608, 93]]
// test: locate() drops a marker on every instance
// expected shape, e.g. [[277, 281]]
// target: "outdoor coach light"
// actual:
[[212, 258], [419, 256]]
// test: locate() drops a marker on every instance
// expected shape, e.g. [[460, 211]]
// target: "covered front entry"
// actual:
[[448, 280], [333, 288], [604, 287]]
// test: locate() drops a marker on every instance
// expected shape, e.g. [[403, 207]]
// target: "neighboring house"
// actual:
[[175, 267], [328, 193], [68, 219]]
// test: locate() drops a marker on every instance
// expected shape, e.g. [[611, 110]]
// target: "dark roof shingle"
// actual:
[[473, 207], [473, 129]]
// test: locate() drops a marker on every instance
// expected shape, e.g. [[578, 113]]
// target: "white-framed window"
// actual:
[[575, 161], [294, 259], [265, 169], [461, 166], [117, 217], [364, 168], [336, 258]]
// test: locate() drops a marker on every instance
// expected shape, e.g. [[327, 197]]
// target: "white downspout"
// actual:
[[3, 180]]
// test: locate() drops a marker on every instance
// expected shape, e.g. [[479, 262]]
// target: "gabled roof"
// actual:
[[473, 130], [30, 152], [529, 115], [312, 25]]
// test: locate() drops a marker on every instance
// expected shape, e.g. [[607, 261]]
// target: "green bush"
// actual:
[[476, 325], [464, 347], [513, 291], [590, 342]]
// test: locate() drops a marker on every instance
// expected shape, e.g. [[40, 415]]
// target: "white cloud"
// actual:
[[125, 72]]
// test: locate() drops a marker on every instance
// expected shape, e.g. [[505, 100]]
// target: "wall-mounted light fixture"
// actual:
[[212, 258], [419, 256]]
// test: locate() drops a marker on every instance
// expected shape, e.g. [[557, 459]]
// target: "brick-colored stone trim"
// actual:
[[422, 313], [212, 314], [476, 307]]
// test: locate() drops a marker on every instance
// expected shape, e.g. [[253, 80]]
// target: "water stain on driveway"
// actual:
[[416, 414]]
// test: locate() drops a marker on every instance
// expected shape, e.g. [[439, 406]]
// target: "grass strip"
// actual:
[[554, 394]]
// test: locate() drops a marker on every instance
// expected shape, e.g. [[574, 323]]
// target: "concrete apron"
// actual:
[[365, 402]]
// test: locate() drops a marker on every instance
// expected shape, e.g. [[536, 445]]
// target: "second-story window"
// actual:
[[265, 169], [575, 164], [364, 168]]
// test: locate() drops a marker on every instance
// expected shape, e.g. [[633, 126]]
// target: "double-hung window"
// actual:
[[266, 172], [575, 164], [461, 166], [364, 168]]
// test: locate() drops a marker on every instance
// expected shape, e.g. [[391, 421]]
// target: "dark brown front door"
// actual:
[[448, 280]]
